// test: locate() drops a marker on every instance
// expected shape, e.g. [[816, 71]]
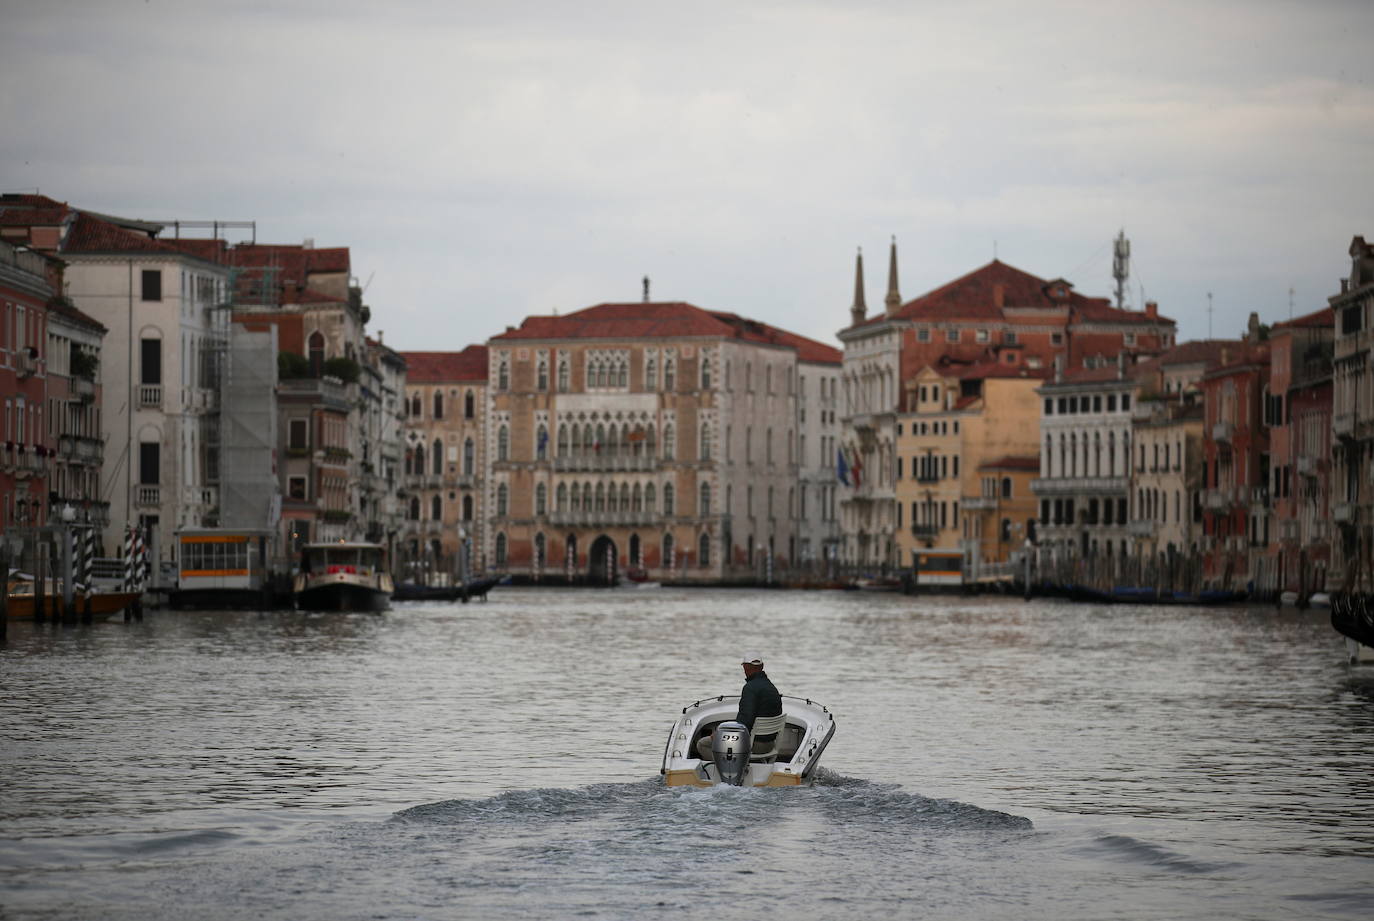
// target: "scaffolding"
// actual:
[[249, 494]]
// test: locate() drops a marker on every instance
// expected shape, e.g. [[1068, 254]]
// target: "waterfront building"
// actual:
[[1237, 517], [306, 294], [1167, 431], [996, 313], [818, 429], [383, 444], [161, 304], [75, 404], [1300, 449], [1085, 457], [966, 454], [1352, 424], [445, 451], [28, 282], [655, 436]]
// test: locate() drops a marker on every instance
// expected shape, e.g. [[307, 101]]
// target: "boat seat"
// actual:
[[763, 726]]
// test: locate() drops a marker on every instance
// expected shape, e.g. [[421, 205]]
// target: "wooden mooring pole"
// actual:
[[5, 597]]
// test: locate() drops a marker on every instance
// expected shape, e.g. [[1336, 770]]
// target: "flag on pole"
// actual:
[[841, 468], [858, 467]]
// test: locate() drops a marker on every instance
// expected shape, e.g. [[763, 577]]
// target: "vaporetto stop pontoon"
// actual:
[[803, 730]]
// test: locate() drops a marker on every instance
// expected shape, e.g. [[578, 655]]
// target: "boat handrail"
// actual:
[[720, 698]]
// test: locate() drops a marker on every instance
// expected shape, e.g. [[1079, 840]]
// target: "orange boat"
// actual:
[[103, 604]]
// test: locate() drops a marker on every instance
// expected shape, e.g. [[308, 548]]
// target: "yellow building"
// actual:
[[965, 442]]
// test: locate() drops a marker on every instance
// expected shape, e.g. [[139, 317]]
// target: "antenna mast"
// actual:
[[1121, 267]]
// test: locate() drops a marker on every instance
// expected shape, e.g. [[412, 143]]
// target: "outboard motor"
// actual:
[[730, 748]]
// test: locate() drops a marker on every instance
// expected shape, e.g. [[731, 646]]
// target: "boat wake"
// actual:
[[645, 804]]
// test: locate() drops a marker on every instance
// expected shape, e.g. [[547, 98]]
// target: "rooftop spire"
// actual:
[[893, 299], [859, 312]]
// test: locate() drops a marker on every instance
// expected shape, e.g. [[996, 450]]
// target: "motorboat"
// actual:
[[21, 600], [343, 576], [803, 730]]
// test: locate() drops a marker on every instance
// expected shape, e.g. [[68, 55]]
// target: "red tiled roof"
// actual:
[[295, 260], [664, 320], [24, 216], [92, 235], [211, 250], [992, 368], [1326, 317], [443, 367], [1012, 462], [974, 297], [61, 305], [1107, 372], [30, 201]]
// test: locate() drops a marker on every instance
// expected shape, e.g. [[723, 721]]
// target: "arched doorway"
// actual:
[[601, 562]]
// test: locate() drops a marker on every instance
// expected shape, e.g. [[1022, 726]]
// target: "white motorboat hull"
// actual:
[[808, 730]]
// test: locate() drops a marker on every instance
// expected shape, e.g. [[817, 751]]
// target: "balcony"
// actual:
[[925, 531], [1223, 432], [605, 463], [1343, 425], [203, 496], [1307, 465], [81, 448], [1078, 486], [978, 503], [589, 517], [148, 494], [1259, 496], [1219, 499], [927, 478], [83, 389], [150, 396], [1142, 527], [1343, 512]]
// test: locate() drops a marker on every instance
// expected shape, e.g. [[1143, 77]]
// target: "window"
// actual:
[[651, 374], [298, 437], [503, 443], [149, 463], [1006, 487], [501, 549], [705, 371], [705, 500], [437, 456], [469, 457], [669, 376], [563, 375], [669, 442], [316, 348], [923, 334], [467, 508], [951, 335], [1056, 338], [503, 375], [295, 487], [541, 443], [1009, 337], [151, 351], [541, 499], [668, 550], [704, 550], [981, 336], [543, 375], [436, 509], [502, 500], [152, 285], [438, 404], [668, 500], [705, 441]]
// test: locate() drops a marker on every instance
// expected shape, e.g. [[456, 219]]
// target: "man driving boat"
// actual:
[[757, 698]]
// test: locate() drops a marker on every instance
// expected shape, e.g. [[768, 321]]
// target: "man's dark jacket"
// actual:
[[758, 698]]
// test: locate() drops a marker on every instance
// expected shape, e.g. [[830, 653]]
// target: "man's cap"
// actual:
[[750, 659]]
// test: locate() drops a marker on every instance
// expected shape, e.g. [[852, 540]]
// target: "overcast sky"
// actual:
[[487, 161]]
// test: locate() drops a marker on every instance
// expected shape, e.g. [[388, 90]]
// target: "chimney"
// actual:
[[1225, 356], [1345, 286], [1059, 369], [999, 296], [1152, 310], [1252, 329], [309, 243], [1121, 365]]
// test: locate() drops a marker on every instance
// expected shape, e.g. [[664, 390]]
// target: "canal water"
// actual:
[[993, 759]]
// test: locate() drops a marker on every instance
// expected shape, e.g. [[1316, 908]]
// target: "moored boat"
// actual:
[[343, 576], [803, 732], [20, 603]]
